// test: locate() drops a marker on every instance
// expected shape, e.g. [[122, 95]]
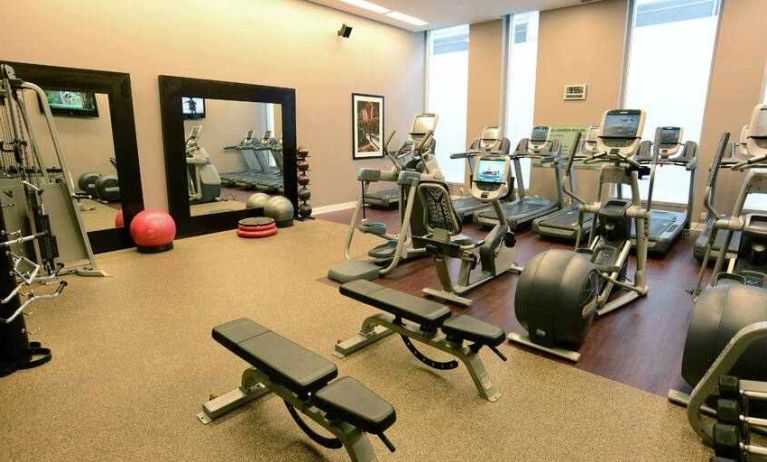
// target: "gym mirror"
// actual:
[[229, 147], [93, 115], [233, 149]]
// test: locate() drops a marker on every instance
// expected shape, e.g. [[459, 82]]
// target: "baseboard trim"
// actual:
[[334, 207]]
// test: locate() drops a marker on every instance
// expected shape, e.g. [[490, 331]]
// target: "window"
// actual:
[[448, 63], [672, 44], [520, 83]]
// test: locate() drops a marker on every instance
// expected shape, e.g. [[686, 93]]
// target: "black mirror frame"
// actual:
[[118, 86], [171, 91]]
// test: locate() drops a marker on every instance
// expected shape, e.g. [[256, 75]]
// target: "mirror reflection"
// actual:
[[233, 152], [84, 124]]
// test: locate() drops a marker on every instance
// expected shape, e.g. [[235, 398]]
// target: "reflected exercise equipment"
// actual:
[[26, 180], [259, 174], [202, 177], [104, 188]]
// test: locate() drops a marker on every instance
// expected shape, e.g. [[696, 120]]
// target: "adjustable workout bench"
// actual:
[[426, 320], [344, 407]]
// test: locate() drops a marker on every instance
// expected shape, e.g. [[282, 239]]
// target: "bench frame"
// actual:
[[381, 325], [256, 384]]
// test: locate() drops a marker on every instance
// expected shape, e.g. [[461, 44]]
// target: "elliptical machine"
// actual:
[[736, 293], [443, 240], [413, 162], [560, 291], [202, 176]]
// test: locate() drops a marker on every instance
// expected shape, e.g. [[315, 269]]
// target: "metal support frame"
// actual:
[[380, 326], [709, 384], [256, 384]]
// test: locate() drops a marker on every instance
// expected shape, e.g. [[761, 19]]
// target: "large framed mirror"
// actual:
[[224, 143], [93, 114]]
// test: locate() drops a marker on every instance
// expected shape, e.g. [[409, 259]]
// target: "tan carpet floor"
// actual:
[[133, 361]]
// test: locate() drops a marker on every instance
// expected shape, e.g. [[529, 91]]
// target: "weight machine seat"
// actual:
[[426, 313], [349, 400], [283, 361], [466, 327]]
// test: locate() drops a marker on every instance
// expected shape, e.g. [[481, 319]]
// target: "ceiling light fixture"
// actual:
[[370, 6], [405, 18]]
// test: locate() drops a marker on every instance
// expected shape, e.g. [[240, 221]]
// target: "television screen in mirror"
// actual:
[[233, 152]]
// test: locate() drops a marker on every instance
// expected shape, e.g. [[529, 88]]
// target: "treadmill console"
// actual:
[[591, 139], [490, 181], [491, 141], [538, 139], [422, 124], [620, 131], [756, 141], [669, 140]]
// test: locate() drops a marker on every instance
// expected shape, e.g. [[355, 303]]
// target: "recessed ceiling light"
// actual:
[[405, 18], [370, 6]]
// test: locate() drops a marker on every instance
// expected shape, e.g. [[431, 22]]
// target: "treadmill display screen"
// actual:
[[424, 123], [540, 134], [490, 171], [491, 133], [621, 125], [669, 136], [760, 127]]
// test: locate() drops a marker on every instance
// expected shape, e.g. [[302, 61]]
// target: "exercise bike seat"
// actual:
[[283, 361], [425, 313], [348, 400], [469, 328]]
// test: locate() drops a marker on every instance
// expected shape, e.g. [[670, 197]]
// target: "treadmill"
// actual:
[[666, 226], [562, 224], [522, 211], [259, 174], [490, 142], [725, 157]]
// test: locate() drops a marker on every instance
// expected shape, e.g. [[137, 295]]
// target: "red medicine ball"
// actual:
[[153, 230]]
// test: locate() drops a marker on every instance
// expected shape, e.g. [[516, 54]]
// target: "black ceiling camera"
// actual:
[[345, 31]]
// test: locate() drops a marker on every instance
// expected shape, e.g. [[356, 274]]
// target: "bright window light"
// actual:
[[672, 44], [405, 18], [370, 6], [448, 91]]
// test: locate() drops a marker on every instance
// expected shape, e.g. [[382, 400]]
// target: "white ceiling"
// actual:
[[443, 13]]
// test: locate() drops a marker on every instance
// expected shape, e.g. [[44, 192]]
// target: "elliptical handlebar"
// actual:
[[753, 162], [708, 202]]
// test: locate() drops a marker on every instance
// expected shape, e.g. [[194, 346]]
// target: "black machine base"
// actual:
[[162, 248], [36, 355]]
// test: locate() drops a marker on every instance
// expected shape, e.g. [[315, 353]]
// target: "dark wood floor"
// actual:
[[640, 345]]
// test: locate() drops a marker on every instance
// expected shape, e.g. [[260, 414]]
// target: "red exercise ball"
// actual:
[[153, 230], [119, 220]]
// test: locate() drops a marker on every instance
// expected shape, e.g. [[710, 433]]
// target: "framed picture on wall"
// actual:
[[367, 126]]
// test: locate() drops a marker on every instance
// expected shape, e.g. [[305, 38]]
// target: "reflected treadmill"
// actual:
[[259, 174], [490, 142], [666, 226], [543, 152], [562, 224]]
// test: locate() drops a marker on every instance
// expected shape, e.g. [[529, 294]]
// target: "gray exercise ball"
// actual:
[[258, 201], [281, 210]]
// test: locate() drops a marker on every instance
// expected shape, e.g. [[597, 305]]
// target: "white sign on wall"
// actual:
[[575, 92]]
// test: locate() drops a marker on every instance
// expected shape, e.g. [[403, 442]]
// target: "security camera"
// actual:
[[345, 31]]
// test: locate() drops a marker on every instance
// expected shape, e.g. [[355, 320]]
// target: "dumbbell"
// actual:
[[732, 432]]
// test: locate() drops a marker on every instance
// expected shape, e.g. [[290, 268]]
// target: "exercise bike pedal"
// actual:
[[510, 239]]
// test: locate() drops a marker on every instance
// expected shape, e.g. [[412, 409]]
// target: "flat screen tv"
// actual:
[[72, 103], [193, 108]]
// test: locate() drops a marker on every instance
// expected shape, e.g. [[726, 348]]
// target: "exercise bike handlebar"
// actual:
[[749, 163]]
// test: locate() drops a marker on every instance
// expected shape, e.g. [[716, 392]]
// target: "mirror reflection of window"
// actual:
[[83, 121], [233, 156]]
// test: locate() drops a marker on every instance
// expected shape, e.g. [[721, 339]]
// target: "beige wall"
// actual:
[[86, 141], [579, 44], [289, 43], [484, 93], [736, 87]]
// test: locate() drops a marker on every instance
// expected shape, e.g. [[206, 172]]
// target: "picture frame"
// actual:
[[367, 126]]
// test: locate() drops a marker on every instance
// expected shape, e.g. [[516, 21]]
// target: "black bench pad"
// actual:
[[421, 311], [348, 400], [283, 361], [472, 329]]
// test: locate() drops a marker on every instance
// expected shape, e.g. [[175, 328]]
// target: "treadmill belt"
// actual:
[[659, 224]]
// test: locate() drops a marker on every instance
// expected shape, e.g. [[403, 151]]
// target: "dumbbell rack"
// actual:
[[304, 208]]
